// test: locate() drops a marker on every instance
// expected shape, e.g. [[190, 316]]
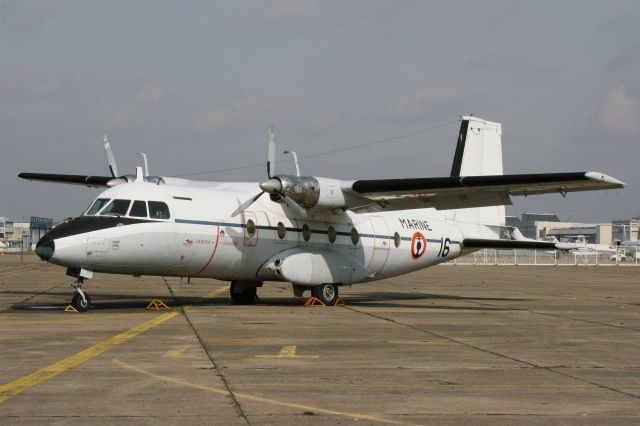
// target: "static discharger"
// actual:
[[314, 301], [70, 308], [157, 305]]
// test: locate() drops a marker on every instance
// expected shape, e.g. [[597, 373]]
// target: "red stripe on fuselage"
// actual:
[[215, 248]]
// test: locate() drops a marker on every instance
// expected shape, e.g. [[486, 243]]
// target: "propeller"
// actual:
[[272, 186], [111, 159]]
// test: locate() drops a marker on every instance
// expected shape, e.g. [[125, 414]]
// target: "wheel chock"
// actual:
[[157, 305], [314, 301], [70, 308], [340, 302]]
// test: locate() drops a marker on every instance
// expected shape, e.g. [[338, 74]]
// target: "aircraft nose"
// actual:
[[45, 247]]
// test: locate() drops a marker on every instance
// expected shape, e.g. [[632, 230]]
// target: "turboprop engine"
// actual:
[[308, 191], [300, 193]]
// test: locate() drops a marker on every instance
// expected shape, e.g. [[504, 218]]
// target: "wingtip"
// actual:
[[605, 178]]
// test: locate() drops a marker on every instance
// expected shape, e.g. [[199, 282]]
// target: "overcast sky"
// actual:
[[196, 84]]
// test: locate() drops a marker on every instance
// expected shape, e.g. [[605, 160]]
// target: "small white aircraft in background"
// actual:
[[316, 233], [582, 247]]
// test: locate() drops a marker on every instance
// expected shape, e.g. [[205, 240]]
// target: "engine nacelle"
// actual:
[[311, 192]]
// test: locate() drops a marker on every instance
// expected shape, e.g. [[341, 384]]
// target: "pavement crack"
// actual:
[[236, 404], [487, 351]]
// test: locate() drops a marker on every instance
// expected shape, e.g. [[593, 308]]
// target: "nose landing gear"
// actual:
[[80, 300]]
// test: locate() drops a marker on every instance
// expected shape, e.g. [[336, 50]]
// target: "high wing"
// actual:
[[90, 181], [85, 180], [455, 192]]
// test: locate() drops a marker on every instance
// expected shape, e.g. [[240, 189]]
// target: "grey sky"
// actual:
[[196, 85]]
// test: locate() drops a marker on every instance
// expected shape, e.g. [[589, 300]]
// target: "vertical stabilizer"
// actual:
[[479, 153]]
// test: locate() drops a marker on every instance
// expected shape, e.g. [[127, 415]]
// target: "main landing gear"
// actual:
[[244, 292], [80, 300], [326, 293]]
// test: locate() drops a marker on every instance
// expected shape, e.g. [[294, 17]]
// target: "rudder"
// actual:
[[479, 153]]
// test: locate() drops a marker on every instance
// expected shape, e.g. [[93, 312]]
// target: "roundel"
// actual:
[[418, 245]]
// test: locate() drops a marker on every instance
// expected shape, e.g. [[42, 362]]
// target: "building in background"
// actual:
[[527, 224], [541, 226], [23, 233], [626, 229]]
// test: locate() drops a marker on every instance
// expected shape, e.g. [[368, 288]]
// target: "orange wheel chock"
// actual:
[[314, 301], [70, 308], [157, 305]]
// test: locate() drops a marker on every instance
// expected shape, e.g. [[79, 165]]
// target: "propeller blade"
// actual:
[[110, 157], [246, 204], [293, 205], [271, 154]]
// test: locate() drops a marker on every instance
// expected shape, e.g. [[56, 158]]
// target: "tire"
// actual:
[[79, 304], [248, 296], [326, 293]]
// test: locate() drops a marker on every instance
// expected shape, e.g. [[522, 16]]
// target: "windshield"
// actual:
[[158, 210], [96, 206], [116, 208]]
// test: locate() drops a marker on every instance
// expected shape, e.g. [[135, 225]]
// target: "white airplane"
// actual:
[[582, 247], [315, 233]]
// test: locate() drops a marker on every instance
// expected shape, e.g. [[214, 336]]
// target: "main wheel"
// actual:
[[248, 295], [82, 305], [326, 293]]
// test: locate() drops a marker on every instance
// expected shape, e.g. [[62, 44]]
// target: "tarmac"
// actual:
[[451, 345]]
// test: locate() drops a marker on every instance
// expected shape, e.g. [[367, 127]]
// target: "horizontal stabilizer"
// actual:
[[508, 244], [90, 181]]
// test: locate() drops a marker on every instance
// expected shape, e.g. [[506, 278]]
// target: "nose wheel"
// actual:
[[81, 300]]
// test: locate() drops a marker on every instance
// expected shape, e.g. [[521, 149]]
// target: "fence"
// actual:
[[623, 257]]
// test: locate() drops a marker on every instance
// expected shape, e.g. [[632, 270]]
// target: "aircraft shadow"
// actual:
[[117, 301]]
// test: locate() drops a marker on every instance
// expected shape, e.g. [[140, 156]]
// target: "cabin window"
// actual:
[[96, 206], [139, 209], [251, 228], [396, 239], [116, 208], [281, 230], [355, 237], [306, 232], [158, 210], [331, 233]]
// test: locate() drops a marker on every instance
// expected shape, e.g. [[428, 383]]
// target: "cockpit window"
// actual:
[[158, 210], [116, 208], [96, 206], [139, 209]]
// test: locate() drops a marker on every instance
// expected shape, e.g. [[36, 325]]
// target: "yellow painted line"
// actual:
[[249, 397], [288, 352], [217, 291], [12, 389], [176, 352]]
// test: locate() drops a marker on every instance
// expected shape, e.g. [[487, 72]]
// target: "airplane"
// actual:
[[2, 245], [313, 232], [582, 247]]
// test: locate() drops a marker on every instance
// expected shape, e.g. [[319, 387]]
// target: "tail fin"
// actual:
[[479, 153], [479, 148]]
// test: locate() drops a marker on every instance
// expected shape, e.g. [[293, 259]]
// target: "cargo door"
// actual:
[[380, 244]]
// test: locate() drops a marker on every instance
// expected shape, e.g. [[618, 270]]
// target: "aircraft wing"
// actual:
[[90, 181], [457, 192]]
